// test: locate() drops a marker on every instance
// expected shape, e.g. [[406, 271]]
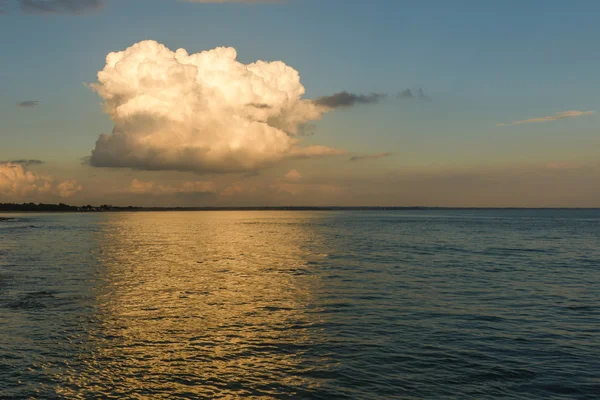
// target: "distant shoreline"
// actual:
[[64, 208]]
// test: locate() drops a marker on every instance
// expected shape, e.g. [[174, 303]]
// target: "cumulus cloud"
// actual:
[[17, 182], [346, 99], [148, 187], [67, 188], [370, 156], [60, 6], [548, 118], [28, 103], [203, 112]]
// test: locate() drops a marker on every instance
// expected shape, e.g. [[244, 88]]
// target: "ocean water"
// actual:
[[449, 304]]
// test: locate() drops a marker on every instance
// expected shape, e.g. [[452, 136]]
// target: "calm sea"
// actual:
[[303, 305]]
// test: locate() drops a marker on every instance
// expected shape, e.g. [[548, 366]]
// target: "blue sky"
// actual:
[[482, 63]]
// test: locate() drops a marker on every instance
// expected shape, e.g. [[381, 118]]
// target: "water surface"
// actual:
[[316, 305]]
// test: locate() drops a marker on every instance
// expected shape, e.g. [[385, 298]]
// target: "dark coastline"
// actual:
[[31, 207]]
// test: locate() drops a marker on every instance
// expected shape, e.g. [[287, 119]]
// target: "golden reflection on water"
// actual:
[[200, 304]]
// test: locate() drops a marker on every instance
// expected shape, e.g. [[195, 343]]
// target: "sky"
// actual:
[[300, 102]]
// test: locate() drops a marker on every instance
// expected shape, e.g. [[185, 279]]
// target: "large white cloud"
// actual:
[[16, 182], [203, 112]]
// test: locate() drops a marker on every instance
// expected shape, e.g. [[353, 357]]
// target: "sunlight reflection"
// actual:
[[201, 303]]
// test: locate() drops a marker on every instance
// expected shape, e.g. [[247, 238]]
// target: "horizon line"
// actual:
[[45, 207]]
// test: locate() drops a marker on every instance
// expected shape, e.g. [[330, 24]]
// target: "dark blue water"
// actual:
[[317, 305]]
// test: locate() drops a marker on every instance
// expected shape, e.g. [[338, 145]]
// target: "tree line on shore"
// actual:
[[60, 207]]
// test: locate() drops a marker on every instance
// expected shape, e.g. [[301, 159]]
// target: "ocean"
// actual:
[[431, 304]]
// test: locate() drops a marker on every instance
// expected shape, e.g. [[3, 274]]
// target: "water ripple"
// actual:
[[323, 305]]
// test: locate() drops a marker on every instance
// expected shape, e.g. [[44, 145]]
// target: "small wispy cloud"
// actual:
[[406, 94], [409, 94], [346, 99], [251, 174], [548, 118], [564, 165], [60, 6], [29, 103], [259, 105], [370, 156], [80, 7], [316, 151], [234, 1], [23, 162], [306, 130]]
